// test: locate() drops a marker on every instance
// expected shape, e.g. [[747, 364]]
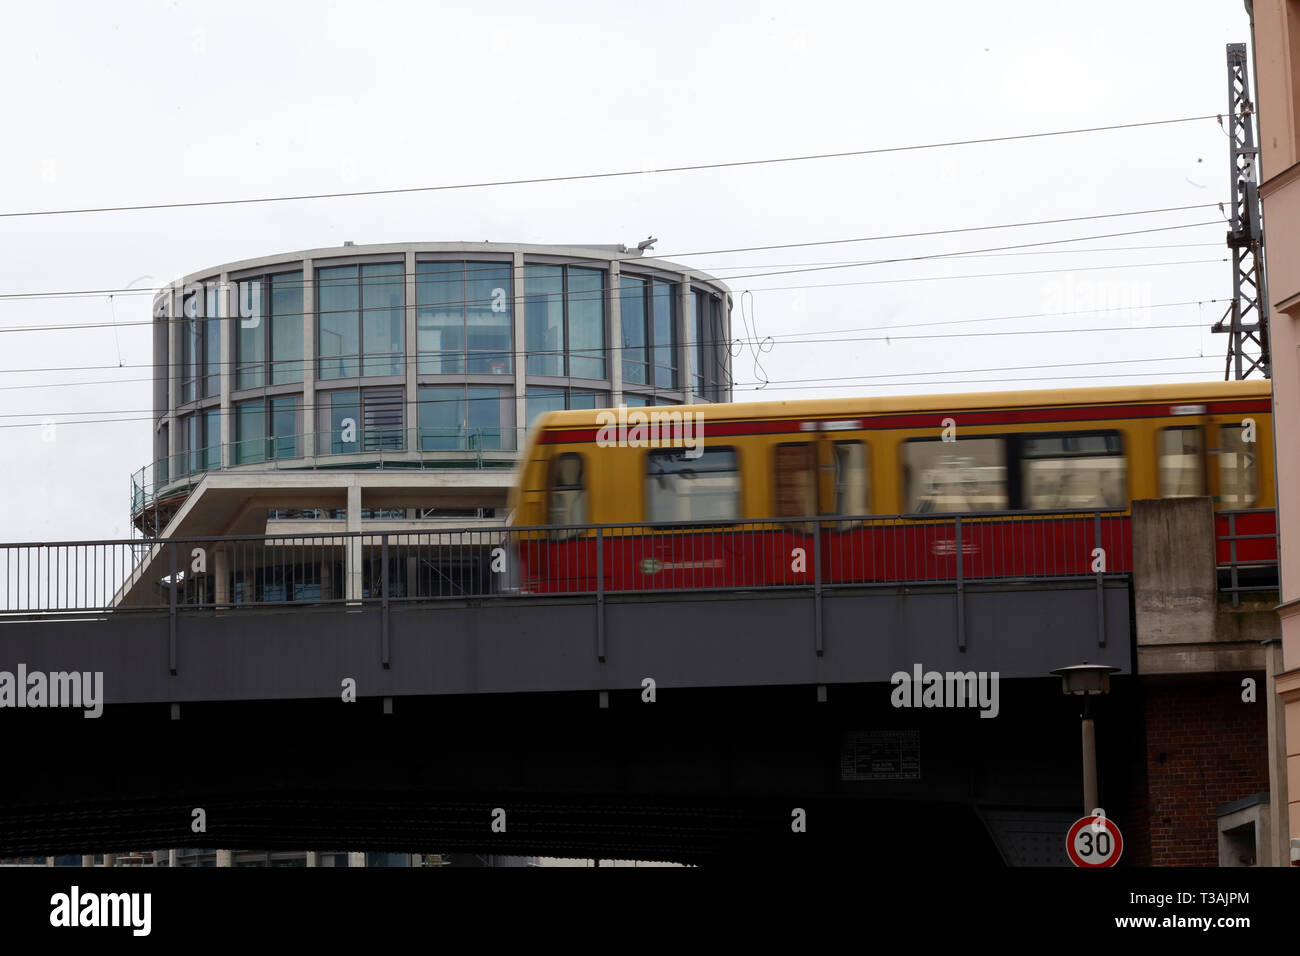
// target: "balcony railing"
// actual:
[[378, 447], [479, 562]]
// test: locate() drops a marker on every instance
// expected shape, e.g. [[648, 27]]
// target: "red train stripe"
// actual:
[[933, 419]]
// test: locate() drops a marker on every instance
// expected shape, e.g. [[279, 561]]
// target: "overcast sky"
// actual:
[[145, 102]]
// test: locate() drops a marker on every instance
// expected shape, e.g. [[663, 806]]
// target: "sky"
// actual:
[[156, 102]]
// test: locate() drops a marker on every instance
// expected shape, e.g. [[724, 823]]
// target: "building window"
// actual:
[[708, 346], [680, 488], [201, 344], [564, 321], [201, 438], [266, 429], [360, 312], [542, 400], [648, 315], [364, 419], [463, 317], [268, 339], [464, 418]]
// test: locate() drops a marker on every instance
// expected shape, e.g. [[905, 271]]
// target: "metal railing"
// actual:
[[1251, 546], [466, 562], [376, 447]]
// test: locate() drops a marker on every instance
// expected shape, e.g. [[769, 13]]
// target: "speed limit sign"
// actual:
[[1094, 840]]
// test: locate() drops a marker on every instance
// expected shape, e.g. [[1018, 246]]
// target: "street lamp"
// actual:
[[1087, 680]]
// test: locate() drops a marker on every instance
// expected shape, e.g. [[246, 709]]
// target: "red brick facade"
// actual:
[[1204, 747]]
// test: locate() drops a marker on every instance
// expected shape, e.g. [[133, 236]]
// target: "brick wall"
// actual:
[[1204, 747]]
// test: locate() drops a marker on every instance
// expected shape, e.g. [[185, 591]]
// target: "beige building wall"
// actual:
[[1276, 29]]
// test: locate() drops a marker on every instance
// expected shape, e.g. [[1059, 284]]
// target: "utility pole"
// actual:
[[1246, 320]]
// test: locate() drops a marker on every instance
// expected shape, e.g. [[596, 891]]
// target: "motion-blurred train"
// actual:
[[868, 490]]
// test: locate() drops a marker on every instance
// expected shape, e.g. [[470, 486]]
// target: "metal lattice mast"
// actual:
[[1246, 320]]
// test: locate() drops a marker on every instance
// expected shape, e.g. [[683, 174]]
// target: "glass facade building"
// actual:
[[416, 355]]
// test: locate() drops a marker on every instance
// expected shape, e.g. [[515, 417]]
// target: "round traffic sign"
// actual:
[[1094, 840]]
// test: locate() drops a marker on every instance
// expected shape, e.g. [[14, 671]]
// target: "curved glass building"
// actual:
[[410, 357]]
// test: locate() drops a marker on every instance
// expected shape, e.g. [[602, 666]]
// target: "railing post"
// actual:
[[1232, 558], [1101, 589], [818, 639], [383, 591], [171, 618], [600, 594], [961, 585]]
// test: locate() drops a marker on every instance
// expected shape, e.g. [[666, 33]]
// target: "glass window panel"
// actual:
[[541, 400], [251, 338], [1073, 471], [284, 427], [381, 301], [212, 438], [440, 317], [852, 480], [212, 356], [487, 317], [442, 418], [632, 319], [338, 334], [544, 319], [484, 412], [1236, 469], [587, 323], [635, 401], [665, 336], [969, 474], [1182, 456], [251, 421], [679, 488], [344, 422], [587, 400], [286, 328]]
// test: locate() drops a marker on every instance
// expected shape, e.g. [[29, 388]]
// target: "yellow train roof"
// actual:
[[1183, 392]]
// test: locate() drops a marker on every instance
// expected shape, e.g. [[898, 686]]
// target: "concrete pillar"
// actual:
[[221, 575], [520, 338], [110, 859], [171, 859], [685, 337], [224, 857], [228, 304], [49, 861], [87, 859], [313, 858], [356, 859], [309, 369], [353, 547], [614, 345], [411, 356]]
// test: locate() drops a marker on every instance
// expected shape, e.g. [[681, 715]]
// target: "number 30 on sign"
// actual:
[[1094, 840]]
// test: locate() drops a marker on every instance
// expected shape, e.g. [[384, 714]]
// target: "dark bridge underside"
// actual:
[[701, 775]]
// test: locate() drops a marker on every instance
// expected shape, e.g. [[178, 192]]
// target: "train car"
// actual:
[[869, 490]]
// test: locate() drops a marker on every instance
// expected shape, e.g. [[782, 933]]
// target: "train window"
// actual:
[[1064, 471], [796, 481], [567, 498], [1182, 451], [968, 474], [1236, 469], [851, 478], [682, 488]]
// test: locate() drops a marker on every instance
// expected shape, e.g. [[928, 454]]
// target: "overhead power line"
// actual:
[[535, 180]]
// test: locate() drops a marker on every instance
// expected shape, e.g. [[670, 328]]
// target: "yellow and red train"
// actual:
[[871, 475]]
